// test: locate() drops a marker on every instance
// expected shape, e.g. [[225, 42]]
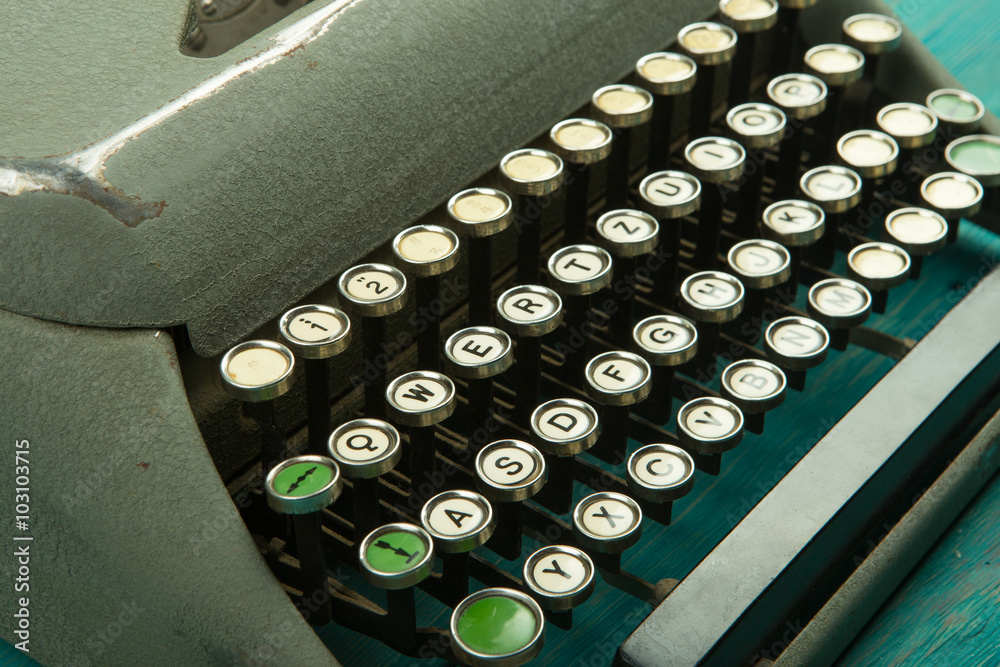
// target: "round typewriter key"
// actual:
[[559, 577], [796, 344], [666, 341], [870, 153], [581, 143], [626, 233], [510, 471], [669, 196], [577, 272], [711, 298], [978, 156], [426, 252], [793, 223], [478, 354], [459, 521], [910, 125], [660, 474], [623, 108], [562, 428], [800, 96], [759, 128], [507, 472], [315, 333], [760, 265], [747, 18], [531, 174], [302, 486], [839, 305], [481, 213], [836, 64], [954, 196], [396, 556], [803, 98], [670, 77], [709, 425], [419, 400], [497, 626], [756, 125], [257, 372], [755, 387], [878, 266], [607, 523], [580, 270], [873, 35], [917, 231], [839, 67], [529, 312], [616, 380], [836, 190], [721, 162], [959, 110], [712, 46], [371, 292], [364, 449]]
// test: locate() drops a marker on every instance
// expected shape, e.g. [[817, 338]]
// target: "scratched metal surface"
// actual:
[[964, 38]]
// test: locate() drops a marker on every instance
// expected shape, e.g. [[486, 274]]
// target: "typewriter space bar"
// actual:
[[755, 580]]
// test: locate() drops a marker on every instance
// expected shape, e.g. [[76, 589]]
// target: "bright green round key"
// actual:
[[302, 479], [497, 625], [395, 552]]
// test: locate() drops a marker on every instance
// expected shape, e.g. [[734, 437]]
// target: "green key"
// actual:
[[497, 625], [303, 484], [395, 551], [302, 479], [977, 155], [958, 108], [396, 556]]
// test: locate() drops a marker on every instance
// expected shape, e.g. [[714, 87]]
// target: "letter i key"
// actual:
[[316, 333]]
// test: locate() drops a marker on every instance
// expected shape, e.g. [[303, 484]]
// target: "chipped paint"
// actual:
[[81, 173]]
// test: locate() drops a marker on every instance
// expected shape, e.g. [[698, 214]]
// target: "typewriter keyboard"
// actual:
[[662, 305]]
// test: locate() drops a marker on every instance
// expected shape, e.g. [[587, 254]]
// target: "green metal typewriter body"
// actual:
[[158, 212]]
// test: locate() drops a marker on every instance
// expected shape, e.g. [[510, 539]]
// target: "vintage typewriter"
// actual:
[[635, 333]]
